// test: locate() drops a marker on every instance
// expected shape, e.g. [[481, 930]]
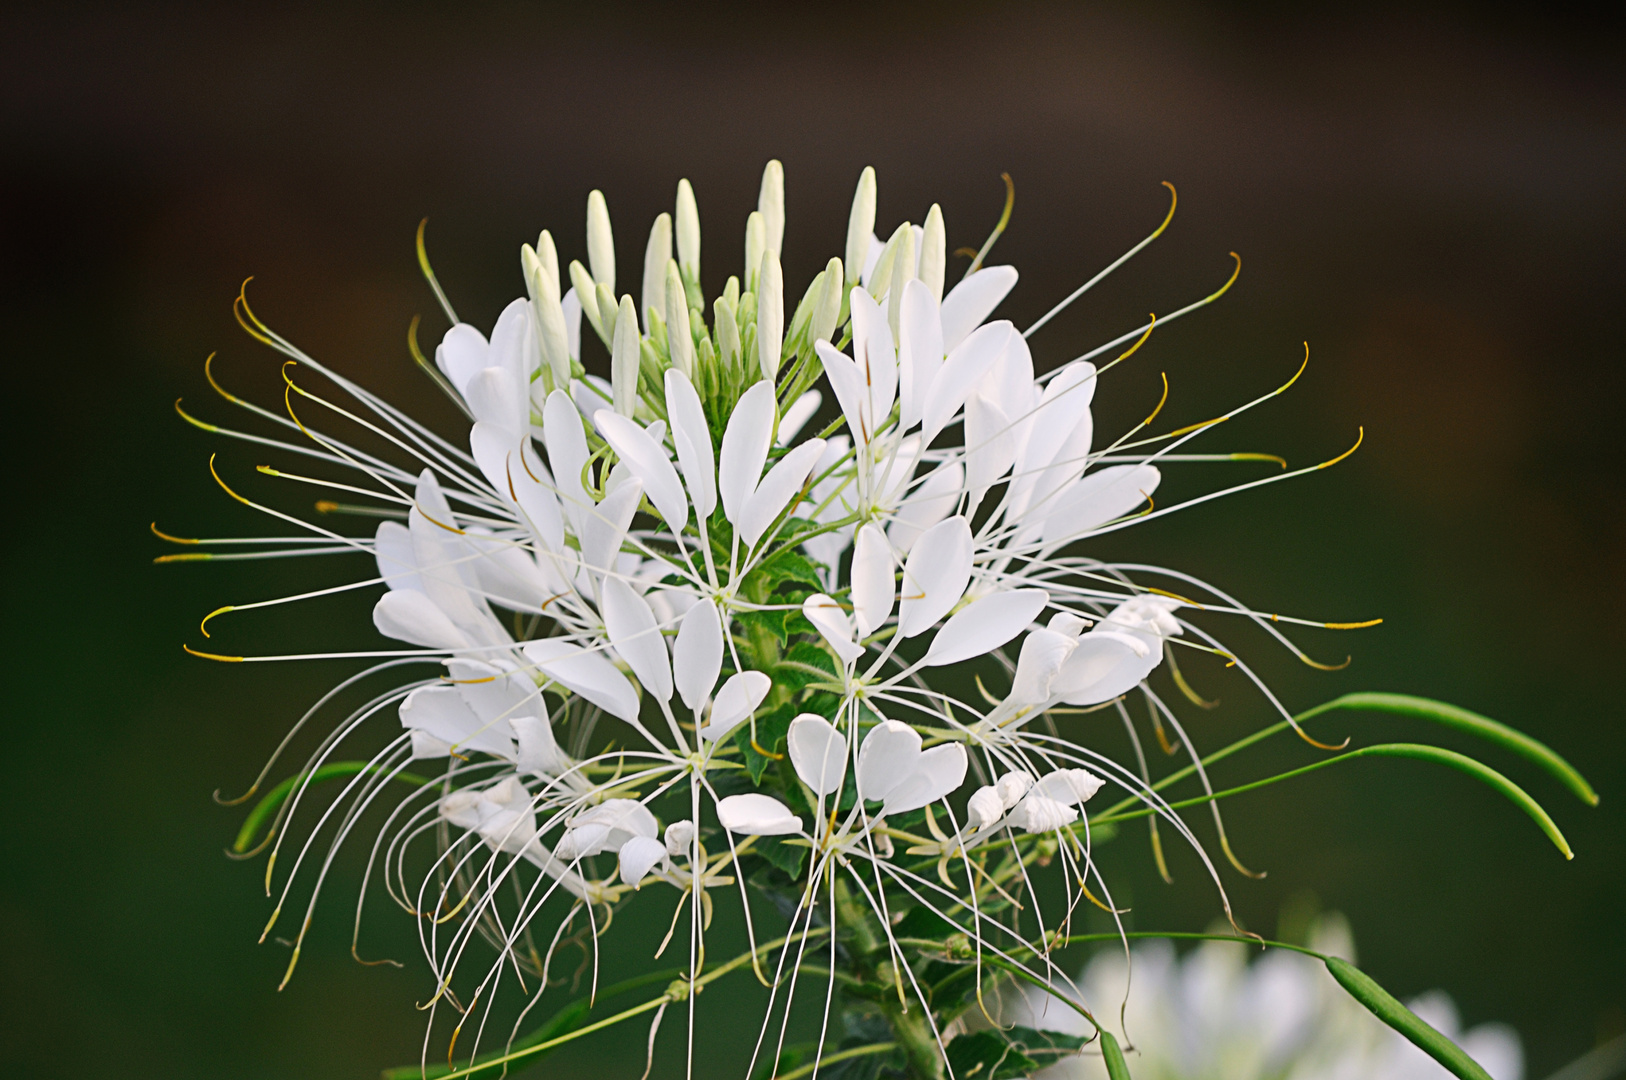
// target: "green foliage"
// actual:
[[787, 857], [771, 729], [1007, 1055]]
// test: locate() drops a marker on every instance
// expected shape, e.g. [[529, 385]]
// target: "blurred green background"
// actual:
[[1433, 200]]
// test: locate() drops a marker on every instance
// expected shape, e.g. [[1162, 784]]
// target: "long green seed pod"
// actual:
[[1117, 1067], [1383, 1005]]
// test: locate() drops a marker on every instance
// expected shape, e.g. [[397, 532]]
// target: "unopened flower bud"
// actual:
[[771, 205], [985, 807], [679, 837], [770, 315], [624, 359], [1012, 786], [587, 293], [1038, 814], [600, 241], [688, 232], [679, 342], [657, 253], [860, 225], [934, 252], [828, 312], [755, 245]]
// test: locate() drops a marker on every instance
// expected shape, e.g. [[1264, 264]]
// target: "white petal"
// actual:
[[973, 300], [410, 616], [818, 751], [874, 357], [928, 504], [1043, 654], [752, 814], [990, 446], [1105, 665], [1058, 442], [693, 441], [1100, 497], [397, 565], [872, 580], [567, 453], [920, 351], [440, 711], [586, 673], [539, 752], [604, 527], [638, 857], [800, 412], [649, 463], [965, 367], [935, 576], [985, 625], [1038, 814], [571, 308], [637, 637], [848, 385], [745, 449], [679, 837], [736, 701], [1069, 787], [937, 772], [495, 397], [625, 818], [1012, 786], [886, 757], [783, 482], [493, 693], [697, 654], [833, 626], [460, 354]]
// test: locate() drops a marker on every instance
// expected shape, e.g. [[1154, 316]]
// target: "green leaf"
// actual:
[[1464, 720], [791, 566], [787, 857], [1117, 1067], [771, 730], [1383, 1005], [984, 1055], [793, 671]]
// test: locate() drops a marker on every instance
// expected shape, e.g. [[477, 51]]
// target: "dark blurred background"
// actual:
[[1433, 199]]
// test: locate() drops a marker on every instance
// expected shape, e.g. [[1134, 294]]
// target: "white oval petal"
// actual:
[[692, 438], [1069, 787], [735, 703], [818, 751], [796, 417], [441, 712], [990, 446], [397, 565], [753, 814], [849, 389], [1100, 497], [638, 857], [935, 575], [833, 626], [679, 837], [874, 357], [604, 527], [973, 300], [920, 350], [936, 773], [410, 616], [637, 637], [566, 440], [966, 366], [496, 398], [777, 489], [539, 751], [588, 674], [928, 504], [985, 625], [697, 654], [984, 807], [745, 449], [886, 757], [872, 579], [1043, 654], [1012, 786], [649, 463], [1105, 665], [460, 354]]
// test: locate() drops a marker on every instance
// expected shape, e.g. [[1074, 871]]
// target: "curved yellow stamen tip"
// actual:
[[1299, 372], [245, 315], [156, 531], [1351, 625], [208, 373], [1189, 428], [1319, 666], [185, 556], [326, 506], [766, 753], [204, 625], [1260, 457], [1162, 401], [1317, 743], [267, 470], [1174, 200], [1175, 596], [1225, 845], [222, 483], [213, 656], [1359, 438], [194, 421], [1223, 289], [1140, 340]]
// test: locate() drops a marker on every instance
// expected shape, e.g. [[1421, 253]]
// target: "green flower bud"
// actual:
[[770, 315], [679, 343], [624, 357], [934, 252], [755, 245], [860, 224], [827, 315], [657, 253], [587, 292], [688, 231], [600, 242], [771, 205]]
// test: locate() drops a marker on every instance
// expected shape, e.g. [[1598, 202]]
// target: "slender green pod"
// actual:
[[1117, 1068], [1383, 1005], [273, 799]]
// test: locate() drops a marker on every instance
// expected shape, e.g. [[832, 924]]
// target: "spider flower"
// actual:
[[649, 633]]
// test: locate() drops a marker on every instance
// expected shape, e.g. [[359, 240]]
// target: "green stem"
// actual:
[[273, 799], [840, 1055]]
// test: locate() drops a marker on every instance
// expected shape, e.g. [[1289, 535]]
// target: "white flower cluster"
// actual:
[[667, 549]]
